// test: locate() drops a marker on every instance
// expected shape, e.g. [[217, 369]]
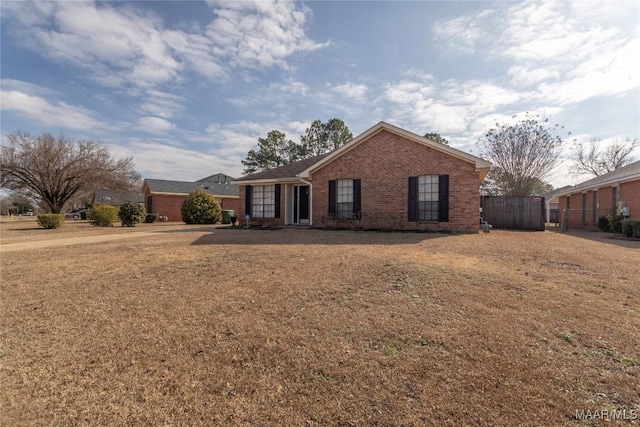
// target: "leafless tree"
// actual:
[[589, 159], [53, 170], [523, 154]]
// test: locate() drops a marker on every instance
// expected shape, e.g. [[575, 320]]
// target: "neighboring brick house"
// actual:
[[386, 177], [164, 197], [606, 194]]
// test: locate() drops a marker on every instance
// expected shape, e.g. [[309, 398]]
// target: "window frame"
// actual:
[[265, 193], [428, 195]]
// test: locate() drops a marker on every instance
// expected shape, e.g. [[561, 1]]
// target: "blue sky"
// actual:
[[187, 88]]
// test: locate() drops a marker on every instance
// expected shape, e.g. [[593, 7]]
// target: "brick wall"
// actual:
[[171, 205], [629, 194], [384, 163]]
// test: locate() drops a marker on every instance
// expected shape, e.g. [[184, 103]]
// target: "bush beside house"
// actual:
[[200, 207]]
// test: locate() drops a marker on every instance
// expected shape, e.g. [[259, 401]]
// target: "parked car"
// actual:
[[80, 214]]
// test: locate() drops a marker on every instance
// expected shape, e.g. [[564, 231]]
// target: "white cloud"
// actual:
[[155, 124], [162, 104], [24, 99], [460, 33], [355, 92], [125, 45]]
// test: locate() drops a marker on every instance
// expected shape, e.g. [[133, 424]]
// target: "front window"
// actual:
[[428, 190], [263, 201], [345, 198]]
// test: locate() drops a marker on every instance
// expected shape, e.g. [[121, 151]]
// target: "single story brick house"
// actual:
[[616, 192], [165, 198], [386, 177]]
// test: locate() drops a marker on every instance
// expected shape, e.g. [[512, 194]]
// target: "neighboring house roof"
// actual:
[[218, 185], [304, 168], [554, 194], [114, 197], [625, 173]]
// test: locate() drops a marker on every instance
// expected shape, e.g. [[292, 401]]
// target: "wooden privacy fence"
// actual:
[[514, 213]]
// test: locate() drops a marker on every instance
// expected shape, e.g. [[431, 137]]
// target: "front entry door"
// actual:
[[301, 204]]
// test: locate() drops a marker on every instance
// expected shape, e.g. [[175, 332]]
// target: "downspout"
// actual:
[[310, 200]]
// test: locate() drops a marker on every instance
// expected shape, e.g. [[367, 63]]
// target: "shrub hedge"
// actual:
[[631, 227], [103, 215], [50, 220], [131, 213], [200, 207]]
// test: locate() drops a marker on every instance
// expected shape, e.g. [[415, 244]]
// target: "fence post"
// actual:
[[564, 221]]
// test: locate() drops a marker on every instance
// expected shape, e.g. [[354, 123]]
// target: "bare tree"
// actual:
[[53, 170], [523, 154], [592, 161]]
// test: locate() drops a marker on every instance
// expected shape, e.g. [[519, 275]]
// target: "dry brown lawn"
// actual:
[[203, 326]]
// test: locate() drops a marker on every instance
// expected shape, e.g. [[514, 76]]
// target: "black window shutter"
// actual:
[[332, 197], [247, 200], [357, 196], [413, 199], [277, 196], [443, 198]]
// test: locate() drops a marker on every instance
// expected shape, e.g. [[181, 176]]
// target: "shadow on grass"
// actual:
[[296, 236]]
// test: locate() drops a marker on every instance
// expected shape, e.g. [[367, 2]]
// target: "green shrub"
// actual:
[[151, 218], [131, 213], [201, 208], [50, 220], [630, 227], [103, 215], [615, 223], [603, 223]]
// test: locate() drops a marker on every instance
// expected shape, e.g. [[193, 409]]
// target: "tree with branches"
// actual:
[[273, 151], [435, 137], [52, 170], [276, 150], [589, 159], [523, 154]]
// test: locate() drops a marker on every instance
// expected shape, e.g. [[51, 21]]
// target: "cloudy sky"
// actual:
[[187, 88]]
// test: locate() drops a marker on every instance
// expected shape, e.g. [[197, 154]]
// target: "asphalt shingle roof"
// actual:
[[286, 171], [114, 197], [218, 185], [627, 171]]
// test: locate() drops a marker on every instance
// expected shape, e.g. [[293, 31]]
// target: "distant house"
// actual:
[[165, 198], [116, 198], [616, 192], [385, 177], [551, 204]]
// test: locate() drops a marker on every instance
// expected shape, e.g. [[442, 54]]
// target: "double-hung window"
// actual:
[[344, 198], [428, 191], [428, 198], [263, 201]]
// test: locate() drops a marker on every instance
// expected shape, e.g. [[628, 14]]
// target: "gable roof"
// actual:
[[115, 197], [218, 185], [479, 163], [625, 173], [290, 171], [303, 168]]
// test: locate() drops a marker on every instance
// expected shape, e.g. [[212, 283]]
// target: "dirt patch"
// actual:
[[310, 327]]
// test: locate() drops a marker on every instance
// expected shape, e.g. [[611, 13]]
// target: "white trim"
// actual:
[[477, 161], [164, 193], [610, 183]]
